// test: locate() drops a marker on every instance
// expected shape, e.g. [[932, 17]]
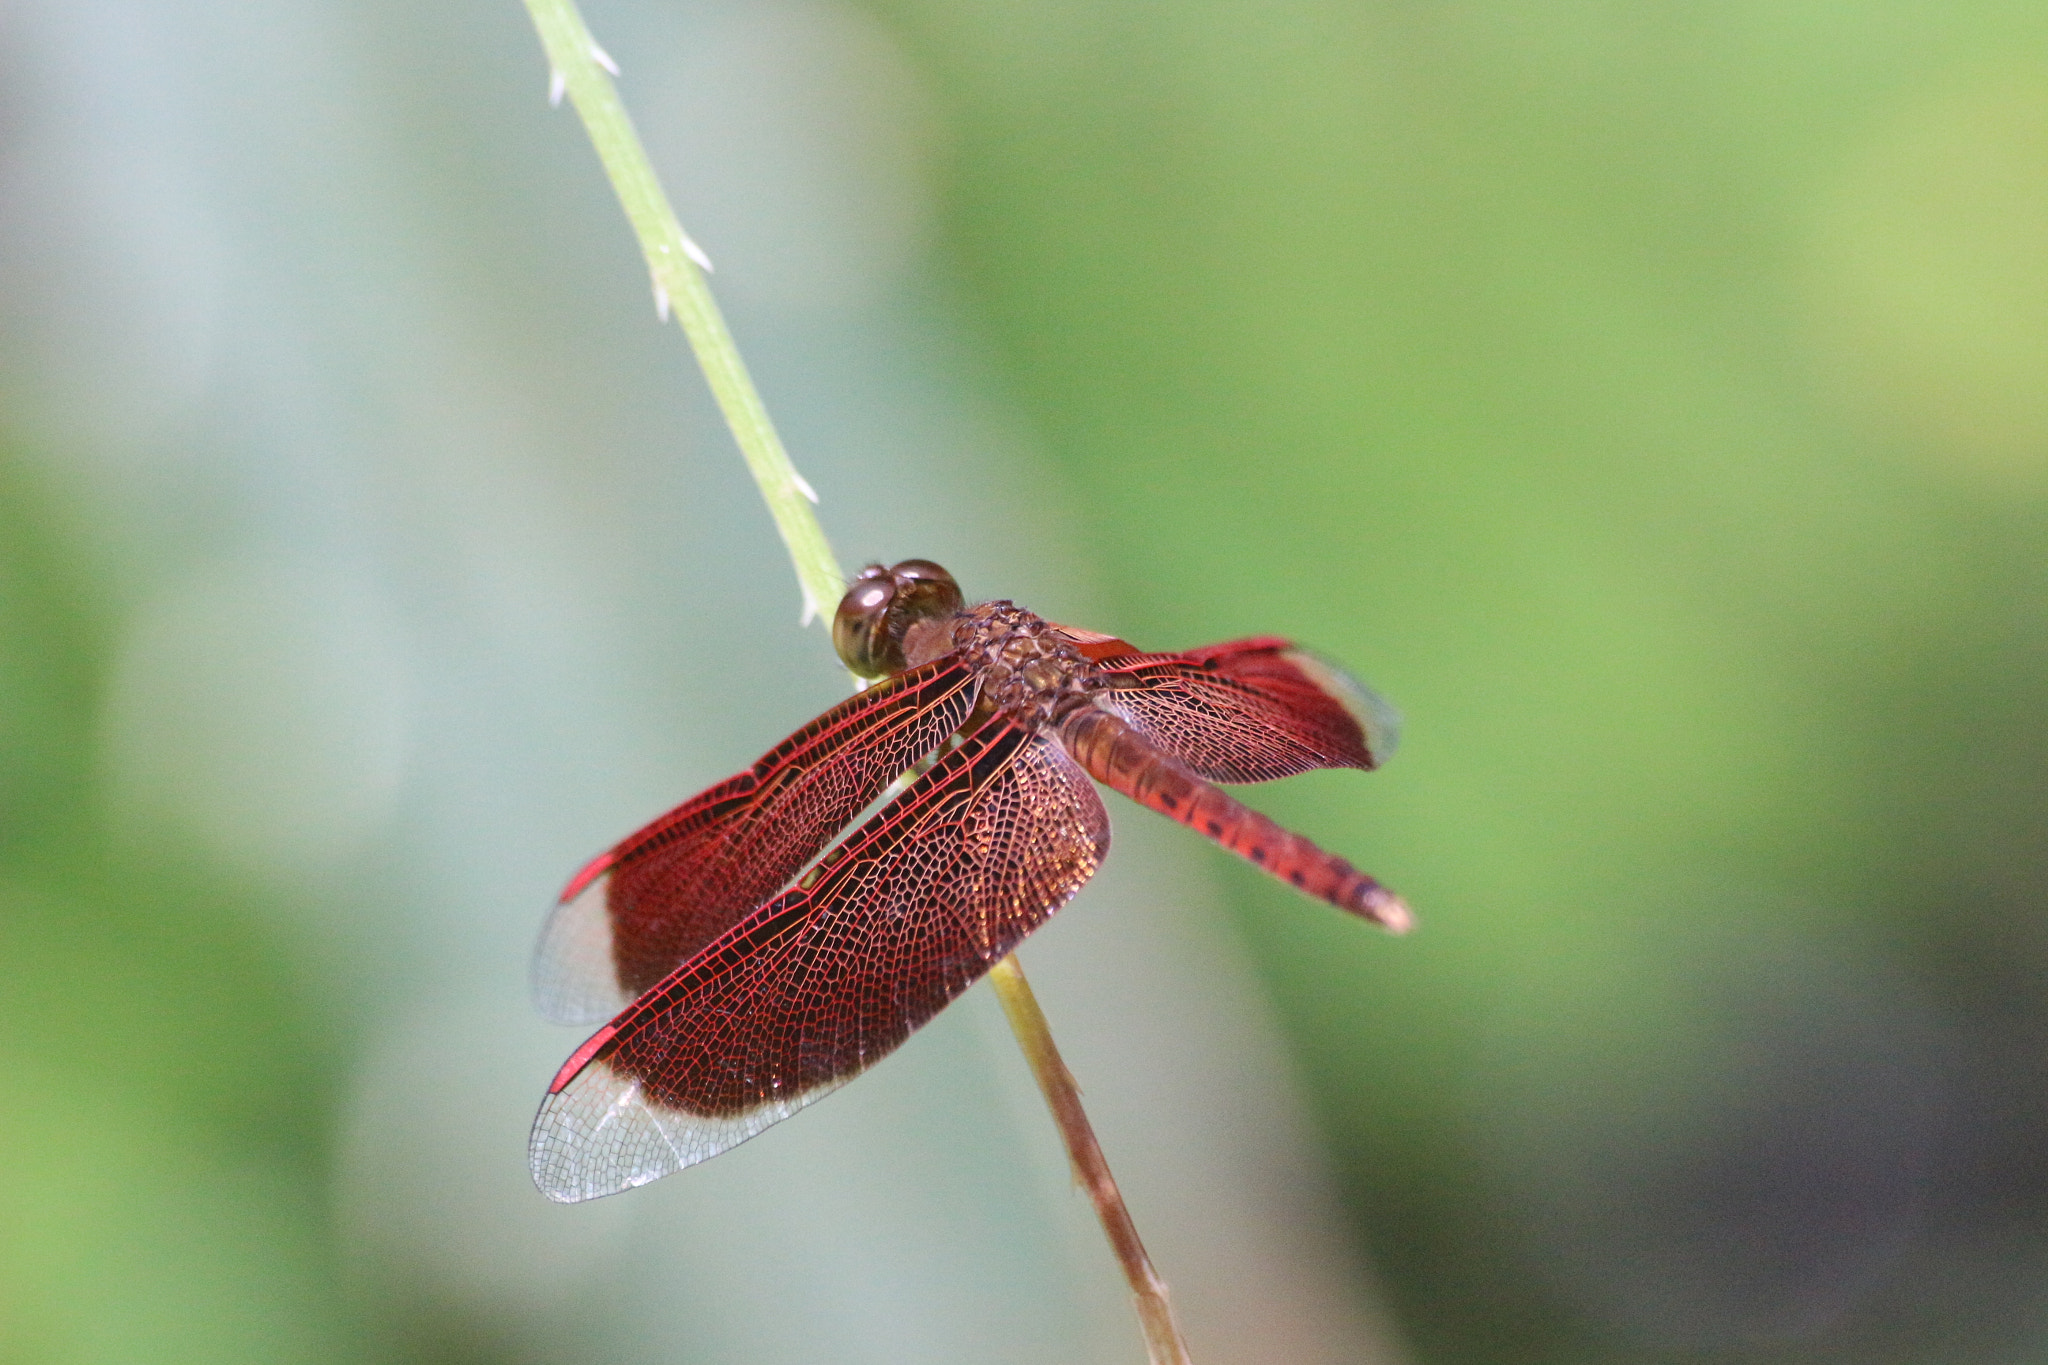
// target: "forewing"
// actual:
[[647, 906], [1251, 710], [832, 975]]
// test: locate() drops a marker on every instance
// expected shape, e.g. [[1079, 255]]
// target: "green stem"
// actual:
[[579, 68], [1163, 1344]]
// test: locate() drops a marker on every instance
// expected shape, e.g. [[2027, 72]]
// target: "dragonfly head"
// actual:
[[895, 618]]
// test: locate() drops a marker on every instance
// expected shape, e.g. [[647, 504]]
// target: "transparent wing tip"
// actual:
[[574, 981], [1376, 716], [601, 1135]]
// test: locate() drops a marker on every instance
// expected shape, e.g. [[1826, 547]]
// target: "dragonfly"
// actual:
[[750, 956]]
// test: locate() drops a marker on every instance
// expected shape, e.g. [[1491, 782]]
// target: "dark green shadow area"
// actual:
[[1638, 395]]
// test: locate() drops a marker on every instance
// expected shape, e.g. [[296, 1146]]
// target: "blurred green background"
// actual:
[[1652, 399]]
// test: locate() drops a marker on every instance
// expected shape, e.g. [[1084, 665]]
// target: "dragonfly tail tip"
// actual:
[[1389, 911]]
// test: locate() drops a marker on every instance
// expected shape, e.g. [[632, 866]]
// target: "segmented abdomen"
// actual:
[[1117, 756]]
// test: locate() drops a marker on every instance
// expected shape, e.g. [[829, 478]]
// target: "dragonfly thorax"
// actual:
[[1030, 671]]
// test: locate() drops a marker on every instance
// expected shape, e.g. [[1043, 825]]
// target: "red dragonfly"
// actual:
[[745, 975]]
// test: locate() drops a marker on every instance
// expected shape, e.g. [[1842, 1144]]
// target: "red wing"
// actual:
[[1251, 710], [833, 974], [641, 910]]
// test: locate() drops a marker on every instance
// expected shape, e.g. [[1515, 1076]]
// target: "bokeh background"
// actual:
[[1651, 398]]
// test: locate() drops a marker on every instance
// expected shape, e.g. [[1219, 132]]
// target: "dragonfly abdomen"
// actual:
[[1119, 757]]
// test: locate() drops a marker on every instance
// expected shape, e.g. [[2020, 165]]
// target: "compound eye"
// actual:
[[860, 628], [919, 569], [884, 608], [924, 591]]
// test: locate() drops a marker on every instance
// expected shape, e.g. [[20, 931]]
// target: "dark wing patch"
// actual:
[[647, 906], [1251, 710], [831, 976]]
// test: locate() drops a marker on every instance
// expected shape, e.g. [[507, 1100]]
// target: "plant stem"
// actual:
[[582, 71], [1091, 1170]]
